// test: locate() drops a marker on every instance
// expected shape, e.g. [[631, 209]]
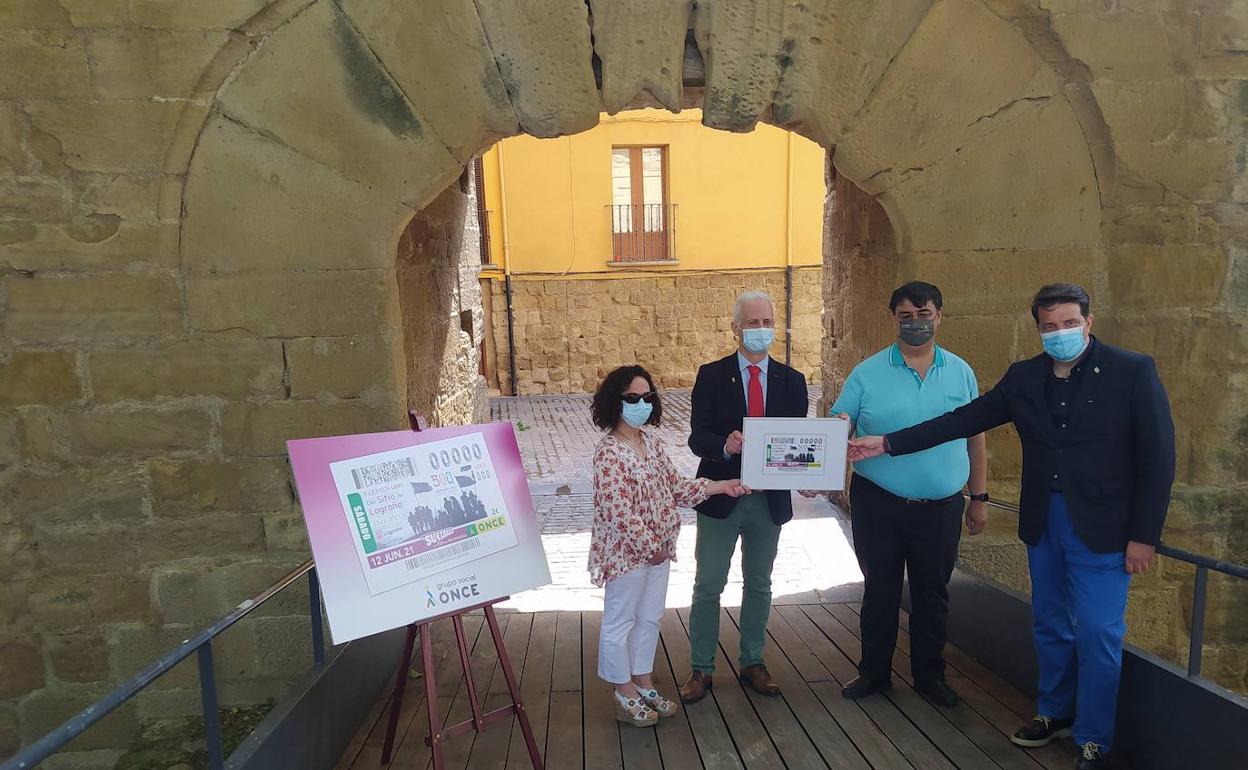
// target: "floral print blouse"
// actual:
[[635, 502]]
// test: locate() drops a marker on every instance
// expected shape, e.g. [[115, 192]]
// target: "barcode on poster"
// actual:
[[442, 554], [382, 473]]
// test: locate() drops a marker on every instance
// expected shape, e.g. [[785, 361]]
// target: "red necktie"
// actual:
[[755, 407]]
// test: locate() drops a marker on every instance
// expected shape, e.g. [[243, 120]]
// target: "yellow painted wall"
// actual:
[[731, 191]]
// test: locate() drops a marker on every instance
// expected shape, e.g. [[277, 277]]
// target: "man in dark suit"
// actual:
[[1098, 464], [746, 383]]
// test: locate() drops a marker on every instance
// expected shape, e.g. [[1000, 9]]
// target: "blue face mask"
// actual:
[[637, 414], [758, 340], [1064, 344]]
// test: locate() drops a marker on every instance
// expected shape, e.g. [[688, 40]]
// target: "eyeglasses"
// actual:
[[632, 398]]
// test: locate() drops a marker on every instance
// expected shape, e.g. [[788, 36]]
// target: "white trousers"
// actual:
[[630, 623]]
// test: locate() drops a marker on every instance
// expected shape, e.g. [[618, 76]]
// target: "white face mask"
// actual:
[[758, 340], [637, 414], [1064, 345]]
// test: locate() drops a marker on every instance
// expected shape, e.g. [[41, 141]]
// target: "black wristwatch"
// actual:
[[980, 498]]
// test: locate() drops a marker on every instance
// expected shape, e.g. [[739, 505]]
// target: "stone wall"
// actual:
[[570, 332], [150, 374], [146, 486], [1173, 90], [200, 204], [443, 322], [860, 273], [1161, 92]]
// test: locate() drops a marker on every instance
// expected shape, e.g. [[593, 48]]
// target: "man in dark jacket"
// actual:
[[746, 383], [1098, 464]]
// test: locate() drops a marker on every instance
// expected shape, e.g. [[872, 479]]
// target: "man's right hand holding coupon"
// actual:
[[866, 447]]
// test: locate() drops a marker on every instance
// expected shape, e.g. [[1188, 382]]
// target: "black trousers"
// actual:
[[893, 537]]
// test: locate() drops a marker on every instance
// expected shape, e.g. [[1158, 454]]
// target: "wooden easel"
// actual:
[[437, 734]]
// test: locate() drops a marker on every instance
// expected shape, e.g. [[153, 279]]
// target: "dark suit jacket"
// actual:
[[1115, 457], [719, 409]]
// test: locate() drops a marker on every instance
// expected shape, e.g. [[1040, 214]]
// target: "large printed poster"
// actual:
[[406, 526], [424, 509]]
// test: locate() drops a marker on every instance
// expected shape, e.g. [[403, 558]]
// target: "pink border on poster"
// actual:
[[352, 611]]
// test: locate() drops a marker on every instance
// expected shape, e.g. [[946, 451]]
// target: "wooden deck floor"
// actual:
[[811, 653]]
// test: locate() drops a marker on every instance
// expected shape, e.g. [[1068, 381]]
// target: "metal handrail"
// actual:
[[1202, 563], [201, 645]]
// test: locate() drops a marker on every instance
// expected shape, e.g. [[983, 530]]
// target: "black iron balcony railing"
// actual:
[[483, 221], [643, 232]]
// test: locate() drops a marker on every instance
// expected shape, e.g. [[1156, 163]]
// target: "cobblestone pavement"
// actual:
[[557, 441]]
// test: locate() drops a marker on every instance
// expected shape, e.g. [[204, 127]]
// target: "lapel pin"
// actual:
[[1096, 370]]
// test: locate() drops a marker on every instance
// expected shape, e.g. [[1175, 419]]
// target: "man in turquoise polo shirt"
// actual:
[[907, 511]]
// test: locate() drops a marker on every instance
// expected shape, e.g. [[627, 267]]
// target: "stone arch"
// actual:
[[967, 147], [941, 111], [943, 123], [156, 351]]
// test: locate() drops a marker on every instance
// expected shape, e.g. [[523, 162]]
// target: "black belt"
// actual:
[[925, 501], [916, 501]]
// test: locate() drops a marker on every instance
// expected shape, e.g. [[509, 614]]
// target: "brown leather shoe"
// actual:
[[696, 688], [759, 680]]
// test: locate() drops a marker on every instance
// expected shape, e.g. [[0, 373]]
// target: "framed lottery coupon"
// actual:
[[409, 525], [794, 453]]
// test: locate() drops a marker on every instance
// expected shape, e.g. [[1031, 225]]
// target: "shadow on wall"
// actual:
[[859, 273], [440, 308]]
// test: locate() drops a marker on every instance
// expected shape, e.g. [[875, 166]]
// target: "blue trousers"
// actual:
[[1078, 603]]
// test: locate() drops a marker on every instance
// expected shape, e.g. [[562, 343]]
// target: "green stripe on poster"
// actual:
[[362, 524]]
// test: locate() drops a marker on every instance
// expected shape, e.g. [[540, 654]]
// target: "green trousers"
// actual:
[[751, 521]]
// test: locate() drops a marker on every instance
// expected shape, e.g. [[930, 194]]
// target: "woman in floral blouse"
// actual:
[[637, 490]]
